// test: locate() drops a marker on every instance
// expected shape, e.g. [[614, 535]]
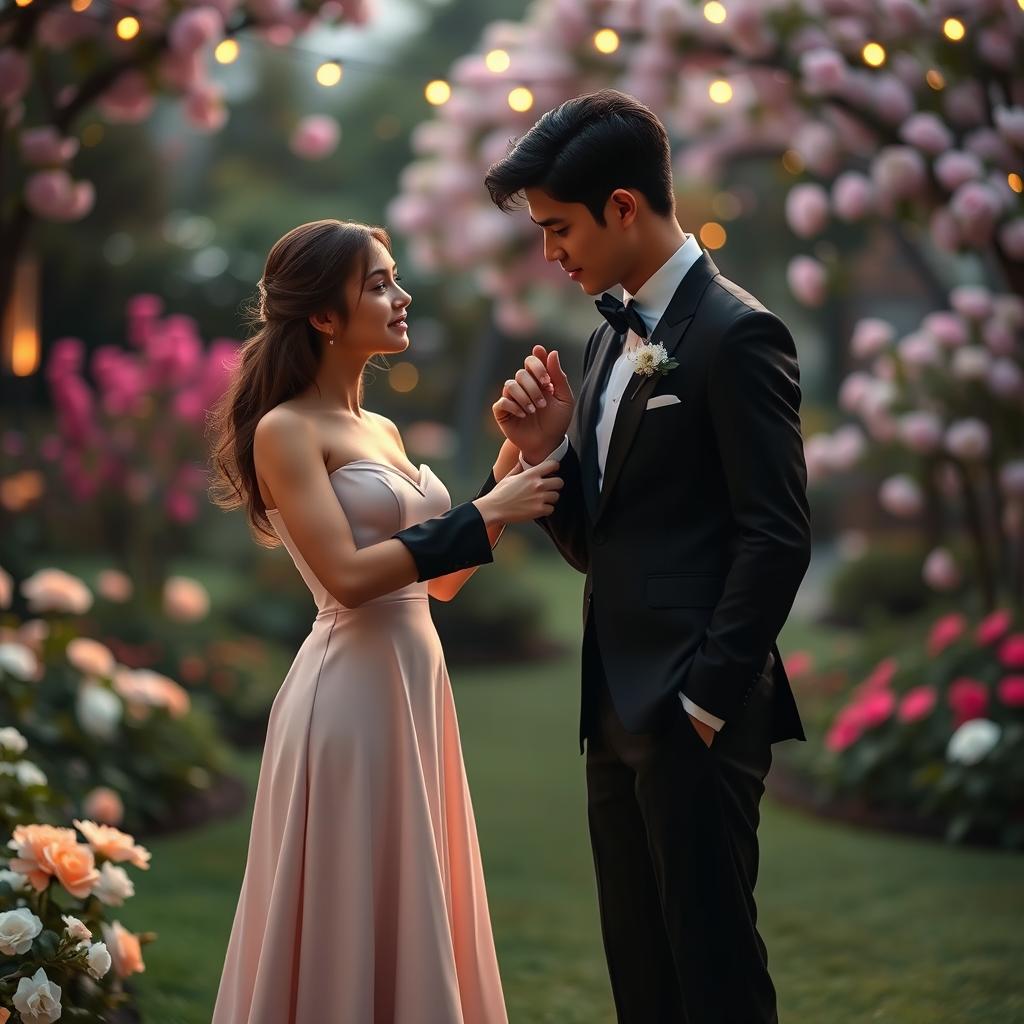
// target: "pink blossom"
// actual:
[[993, 627], [998, 336], [189, 405], [905, 15], [944, 231], [205, 108], [807, 280], [847, 448], [44, 146], [945, 631], [921, 432], [807, 209], [995, 47], [14, 75], [917, 351], [67, 356], [971, 363], [971, 301], [956, 167], [844, 732], [988, 144], [901, 496], [129, 100], [880, 677], [875, 708], [948, 329], [181, 507], [968, 439], [871, 336], [898, 172], [852, 196], [1005, 378], [968, 698], [52, 195], [1011, 478], [824, 71], [917, 703], [182, 71], [964, 104], [940, 571], [1009, 309], [1011, 239], [976, 206], [927, 132], [852, 391], [799, 664], [893, 101], [818, 146], [1010, 122], [1011, 691], [1011, 651], [315, 137], [195, 28]]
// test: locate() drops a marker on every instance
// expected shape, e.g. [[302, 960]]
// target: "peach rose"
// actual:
[[5, 1015], [124, 948], [30, 844], [74, 866], [105, 805], [90, 657], [113, 844]]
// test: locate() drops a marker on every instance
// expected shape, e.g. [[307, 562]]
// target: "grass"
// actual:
[[860, 926]]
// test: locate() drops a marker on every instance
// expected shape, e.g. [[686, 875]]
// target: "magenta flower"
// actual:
[[880, 677], [945, 631], [1011, 651], [799, 664], [993, 627], [917, 703], [1011, 691], [876, 707], [968, 698], [844, 732]]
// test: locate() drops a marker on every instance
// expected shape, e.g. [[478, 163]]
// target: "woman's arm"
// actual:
[[444, 588]]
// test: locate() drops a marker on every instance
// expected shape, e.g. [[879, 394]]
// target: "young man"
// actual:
[[684, 504]]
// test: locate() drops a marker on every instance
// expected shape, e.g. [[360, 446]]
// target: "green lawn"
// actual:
[[860, 926]]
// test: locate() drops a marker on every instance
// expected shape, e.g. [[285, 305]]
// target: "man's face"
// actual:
[[591, 255]]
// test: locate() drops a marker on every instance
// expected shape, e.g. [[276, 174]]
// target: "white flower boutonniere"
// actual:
[[648, 359]]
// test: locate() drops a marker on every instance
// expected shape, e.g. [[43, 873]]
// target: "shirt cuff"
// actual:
[[558, 454], [700, 714]]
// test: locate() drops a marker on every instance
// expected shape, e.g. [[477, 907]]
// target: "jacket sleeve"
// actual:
[[566, 525], [447, 543], [754, 399]]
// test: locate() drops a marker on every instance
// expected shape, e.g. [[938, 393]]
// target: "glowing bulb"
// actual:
[[935, 79], [874, 54], [792, 161], [498, 61], [128, 28], [954, 29], [1014, 180], [606, 40], [403, 377], [226, 51], [80, 5], [715, 12], [720, 91], [438, 92], [23, 3], [520, 100], [712, 235], [329, 73]]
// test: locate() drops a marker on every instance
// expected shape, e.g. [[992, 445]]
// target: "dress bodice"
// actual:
[[378, 501]]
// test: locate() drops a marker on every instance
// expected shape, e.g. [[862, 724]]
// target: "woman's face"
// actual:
[[377, 308]]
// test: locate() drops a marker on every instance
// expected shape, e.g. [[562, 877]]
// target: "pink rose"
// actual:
[[807, 209], [968, 698], [852, 196], [993, 627], [901, 496], [105, 805], [871, 336], [921, 432], [972, 301], [917, 703], [315, 137], [845, 731], [14, 75], [876, 707], [976, 206], [927, 132], [881, 676], [799, 664], [1011, 238], [898, 172], [1011, 651], [824, 71], [945, 631], [955, 168], [195, 28], [807, 280], [948, 329], [940, 571], [44, 146], [1011, 691]]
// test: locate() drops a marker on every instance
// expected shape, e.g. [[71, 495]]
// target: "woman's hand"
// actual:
[[521, 496]]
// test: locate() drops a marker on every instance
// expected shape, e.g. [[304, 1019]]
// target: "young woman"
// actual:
[[363, 900]]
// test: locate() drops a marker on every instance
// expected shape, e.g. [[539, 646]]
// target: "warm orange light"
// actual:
[[20, 336], [792, 161], [712, 235], [935, 79], [226, 51], [403, 377], [873, 54], [1014, 180], [438, 92], [954, 29], [80, 5], [128, 28]]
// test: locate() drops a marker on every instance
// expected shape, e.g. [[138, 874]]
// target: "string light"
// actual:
[[792, 161], [403, 377], [874, 54], [712, 235], [606, 40], [226, 51], [329, 73], [23, 3], [80, 5], [128, 28], [715, 12], [720, 91], [498, 61], [438, 92], [935, 79], [1014, 180], [520, 99], [953, 28]]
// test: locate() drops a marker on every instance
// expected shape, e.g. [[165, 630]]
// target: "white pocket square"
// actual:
[[659, 400]]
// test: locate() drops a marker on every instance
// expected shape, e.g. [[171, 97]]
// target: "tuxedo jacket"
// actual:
[[699, 536]]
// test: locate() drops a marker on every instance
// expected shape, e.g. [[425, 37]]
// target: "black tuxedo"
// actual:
[[693, 551]]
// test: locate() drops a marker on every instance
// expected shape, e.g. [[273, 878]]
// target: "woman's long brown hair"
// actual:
[[306, 273]]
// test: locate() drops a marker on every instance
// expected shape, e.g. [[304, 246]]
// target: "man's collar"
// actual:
[[653, 297]]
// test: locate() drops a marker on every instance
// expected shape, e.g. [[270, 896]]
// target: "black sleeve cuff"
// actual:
[[489, 484], [447, 543]]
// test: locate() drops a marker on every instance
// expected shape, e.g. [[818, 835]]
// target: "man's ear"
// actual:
[[622, 207]]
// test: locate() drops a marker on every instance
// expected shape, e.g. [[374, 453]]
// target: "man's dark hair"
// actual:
[[583, 150]]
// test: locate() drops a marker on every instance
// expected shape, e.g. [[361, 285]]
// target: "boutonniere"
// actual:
[[649, 360]]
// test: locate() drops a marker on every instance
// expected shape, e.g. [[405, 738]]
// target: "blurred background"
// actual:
[[856, 164]]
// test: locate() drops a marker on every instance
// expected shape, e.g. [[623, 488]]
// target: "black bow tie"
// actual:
[[621, 316]]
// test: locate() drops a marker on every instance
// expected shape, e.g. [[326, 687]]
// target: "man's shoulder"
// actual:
[[733, 299]]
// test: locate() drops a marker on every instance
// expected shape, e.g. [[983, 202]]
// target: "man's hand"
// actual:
[[536, 406], [706, 733]]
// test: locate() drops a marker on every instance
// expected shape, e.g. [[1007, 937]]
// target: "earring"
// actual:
[[332, 337]]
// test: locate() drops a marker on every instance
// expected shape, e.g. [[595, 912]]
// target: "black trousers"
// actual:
[[673, 827]]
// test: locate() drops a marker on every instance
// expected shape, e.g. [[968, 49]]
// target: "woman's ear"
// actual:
[[322, 322]]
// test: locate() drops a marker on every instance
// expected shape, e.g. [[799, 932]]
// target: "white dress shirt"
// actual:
[[650, 301]]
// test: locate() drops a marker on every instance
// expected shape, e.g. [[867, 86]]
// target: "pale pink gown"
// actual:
[[363, 900]]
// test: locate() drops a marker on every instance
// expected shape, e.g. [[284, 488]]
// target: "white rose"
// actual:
[[37, 999], [114, 886], [973, 741], [647, 358], [17, 881], [17, 930], [98, 959], [99, 711], [76, 930], [11, 739], [18, 660], [29, 774]]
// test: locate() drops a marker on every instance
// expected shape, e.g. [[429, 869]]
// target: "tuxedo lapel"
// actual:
[[609, 348], [668, 332]]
